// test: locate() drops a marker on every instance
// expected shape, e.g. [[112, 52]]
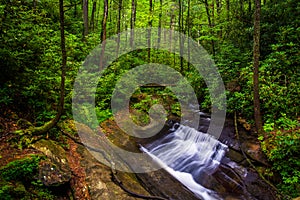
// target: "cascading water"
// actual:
[[189, 155]]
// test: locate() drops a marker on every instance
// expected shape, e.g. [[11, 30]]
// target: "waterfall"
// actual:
[[189, 155]]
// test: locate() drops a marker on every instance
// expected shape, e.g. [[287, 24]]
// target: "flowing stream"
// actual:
[[189, 155]]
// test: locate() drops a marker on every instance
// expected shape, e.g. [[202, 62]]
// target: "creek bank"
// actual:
[[74, 173], [234, 179]]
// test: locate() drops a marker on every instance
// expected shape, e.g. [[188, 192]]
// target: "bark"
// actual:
[[132, 22], [210, 26], [188, 25], [172, 29], [256, 55], [104, 20], [149, 29], [219, 5], [92, 24], [180, 25], [159, 23], [85, 17], [249, 6], [119, 26], [103, 32]]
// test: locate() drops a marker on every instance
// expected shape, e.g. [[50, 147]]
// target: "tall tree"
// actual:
[[85, 14], [119, 25], [188, 25], [159, 23], [180, 26], [256, 55], [48, 125], [103, 32], [210, 24], [92, 23], [132, 21], [149, 29]]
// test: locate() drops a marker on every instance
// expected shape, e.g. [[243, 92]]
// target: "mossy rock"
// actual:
[[55, 170]]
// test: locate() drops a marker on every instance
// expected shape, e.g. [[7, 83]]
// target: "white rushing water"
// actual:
[[189, 155]]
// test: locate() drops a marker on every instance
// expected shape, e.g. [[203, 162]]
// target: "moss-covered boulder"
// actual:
[[55, 170]]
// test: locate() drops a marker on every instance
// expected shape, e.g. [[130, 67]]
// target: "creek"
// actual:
[[200, 162]]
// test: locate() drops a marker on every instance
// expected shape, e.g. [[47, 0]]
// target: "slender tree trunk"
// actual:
[[210, 26], [48, 125], [256, 55], [242, 7], [119, 26], [219, 5], [159, 23], [149, 29], [249, 6], [103, 32], [188, 25], [132, 22], [172, 29], [180, 25], [92, 24], [85, 9]]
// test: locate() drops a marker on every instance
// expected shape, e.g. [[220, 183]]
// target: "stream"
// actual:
[[200, 162], [188, 155]]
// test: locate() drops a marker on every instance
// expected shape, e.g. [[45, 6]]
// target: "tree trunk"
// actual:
[[188, 24], [159, 23], [210, 26], [85, 17], [149, 29], [92, 24], [256, 55], [48, 125], [249, 6], [219, 5], [132, 22], [103, 32], [180, 26], [119, 26]]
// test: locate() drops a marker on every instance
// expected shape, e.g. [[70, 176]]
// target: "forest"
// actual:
[[254, 44]]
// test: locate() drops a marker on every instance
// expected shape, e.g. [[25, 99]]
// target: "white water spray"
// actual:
[[188, 155]]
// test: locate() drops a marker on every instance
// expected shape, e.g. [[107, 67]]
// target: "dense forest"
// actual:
[[255, 45]]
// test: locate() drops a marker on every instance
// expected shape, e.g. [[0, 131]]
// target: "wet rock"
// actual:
[[55, 170], [52, 175], [235, 156], [254, 151]]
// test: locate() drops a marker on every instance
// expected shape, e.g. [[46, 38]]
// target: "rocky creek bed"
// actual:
[[72, 172]]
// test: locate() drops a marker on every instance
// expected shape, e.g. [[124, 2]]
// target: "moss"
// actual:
[[18, 180]]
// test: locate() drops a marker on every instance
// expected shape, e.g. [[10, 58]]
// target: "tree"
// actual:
[[256, 55], [132, 21], [48, 125], [92, 24], [85, 9], [149, 29], [103, 33], [119, 25]]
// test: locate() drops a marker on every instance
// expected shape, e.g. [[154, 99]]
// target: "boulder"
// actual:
[[55, 170]]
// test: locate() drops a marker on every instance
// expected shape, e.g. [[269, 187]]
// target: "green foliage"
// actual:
[[19, 180], [282, 148], [21, 170]]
